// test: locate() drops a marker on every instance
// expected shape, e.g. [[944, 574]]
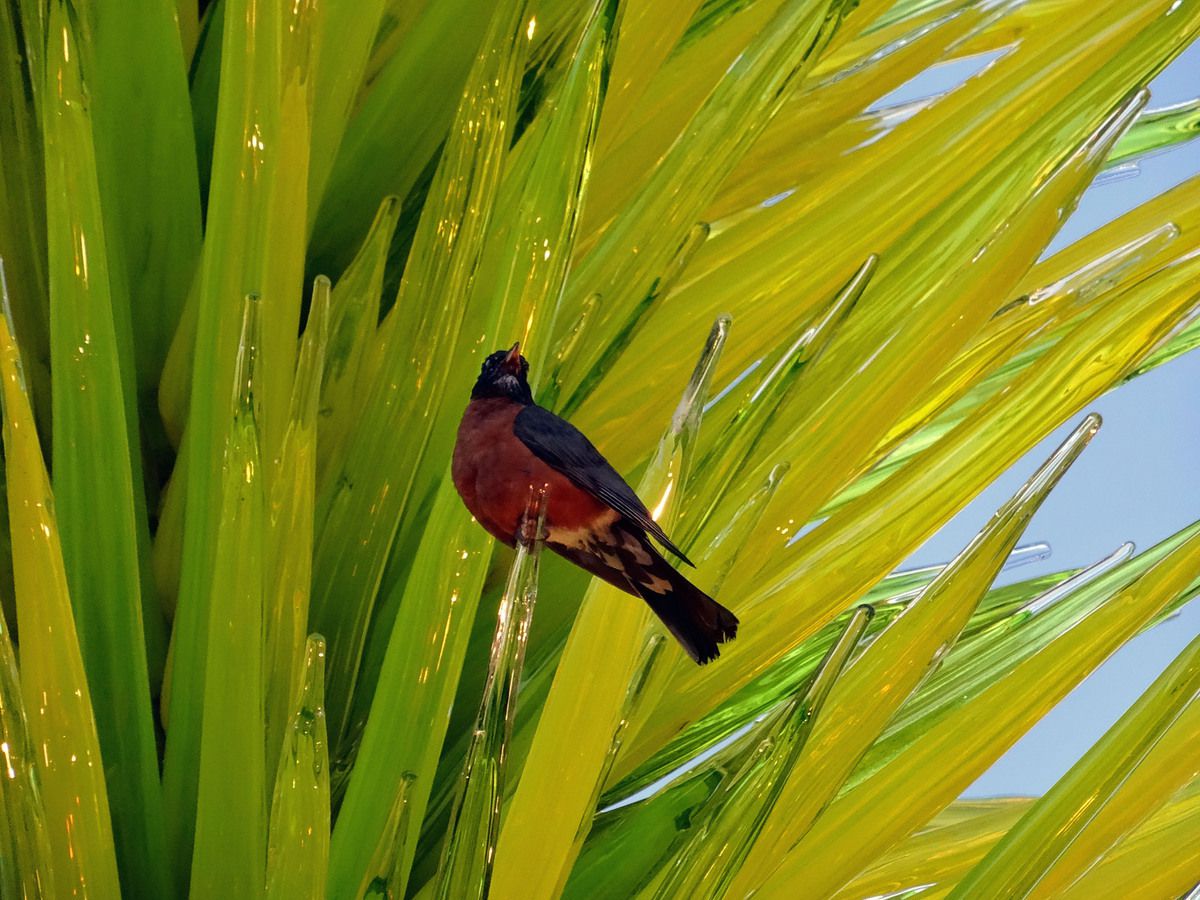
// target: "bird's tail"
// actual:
[[698, 621], [625, 558]]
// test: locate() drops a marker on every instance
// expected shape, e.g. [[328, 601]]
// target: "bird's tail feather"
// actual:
[[625, 558], [696, 620]]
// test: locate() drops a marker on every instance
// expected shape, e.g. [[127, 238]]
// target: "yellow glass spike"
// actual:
[[53, 683], [1153, 861], [891, 804], [941, 853], [894, 665], [288, 548], [906, 509]]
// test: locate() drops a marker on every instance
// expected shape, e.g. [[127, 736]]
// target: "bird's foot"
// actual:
[[532, 528]]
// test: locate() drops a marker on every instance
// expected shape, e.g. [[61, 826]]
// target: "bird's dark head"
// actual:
[[504, 374]]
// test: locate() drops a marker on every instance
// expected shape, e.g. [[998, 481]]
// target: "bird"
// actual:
[[507, 446]]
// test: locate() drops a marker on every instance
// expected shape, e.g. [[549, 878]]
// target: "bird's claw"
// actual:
[[532, 524]]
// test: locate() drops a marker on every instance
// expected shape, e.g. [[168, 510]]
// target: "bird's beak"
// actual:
[[512, 362]]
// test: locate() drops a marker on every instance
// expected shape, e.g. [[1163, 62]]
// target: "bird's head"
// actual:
[[504, 374]]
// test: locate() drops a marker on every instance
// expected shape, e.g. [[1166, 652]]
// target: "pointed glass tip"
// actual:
[[1121, 172], [692, 403], [9, 333], [1079, 579], [249, 342], [385, 871], [921, 575], [1027, 555], [5, 303]]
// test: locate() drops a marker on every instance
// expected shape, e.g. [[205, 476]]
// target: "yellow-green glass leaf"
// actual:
[[54, 685], [722, 554], [96, 468], [388, 859], [897, 661], [302, 39], [1149, 861], [150, 184], [125, 224], [353, 326], [360, 510], [731, 821], [265, 206], [649, 32], [398, 124], [466, 869], [26, 869], [23, 196], [636, 246], [894, 802], [894, 520], [1159, 128], [298, 850], [349, 30], [1169, 763], [395, 763], [1028, 861], [941, 853], [229, 857], [289, 545], [198, 378]]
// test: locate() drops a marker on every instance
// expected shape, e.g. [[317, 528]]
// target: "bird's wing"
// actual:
[[563, 447]]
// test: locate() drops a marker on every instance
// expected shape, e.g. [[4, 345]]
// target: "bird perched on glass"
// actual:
[[508, 445]]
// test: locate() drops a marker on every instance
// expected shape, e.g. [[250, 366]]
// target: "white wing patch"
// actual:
[[636, 550], [616, 549], [585, 538], [656, 584]]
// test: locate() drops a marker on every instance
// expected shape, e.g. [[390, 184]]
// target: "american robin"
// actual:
[[507, 444]]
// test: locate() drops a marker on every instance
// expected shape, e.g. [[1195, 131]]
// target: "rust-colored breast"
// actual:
[[494, 472]]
